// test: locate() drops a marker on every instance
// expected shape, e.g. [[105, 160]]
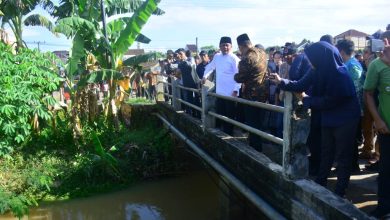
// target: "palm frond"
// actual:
[[127, 6], [39, 20]]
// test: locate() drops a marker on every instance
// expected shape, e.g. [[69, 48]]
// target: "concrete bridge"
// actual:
[[275, 182]]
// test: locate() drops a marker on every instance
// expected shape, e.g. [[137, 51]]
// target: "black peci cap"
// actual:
[[225, 40], [243, 39]]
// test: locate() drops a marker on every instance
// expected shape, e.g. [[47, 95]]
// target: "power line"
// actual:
[[44, 43]]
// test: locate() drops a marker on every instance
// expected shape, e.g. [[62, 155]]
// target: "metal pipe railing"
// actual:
[[257, 201], [251, 103], [189, 104], [189, 89], [262, 134], [208, 119]]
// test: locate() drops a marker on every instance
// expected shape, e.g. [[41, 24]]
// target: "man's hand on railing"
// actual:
[[300, 95], [203, 81], [275, 78]]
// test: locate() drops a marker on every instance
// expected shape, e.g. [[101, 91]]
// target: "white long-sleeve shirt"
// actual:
[[226, 67]]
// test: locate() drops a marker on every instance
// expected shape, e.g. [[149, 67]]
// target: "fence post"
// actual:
[[175, 94], [208, 103], [295, 132], [160, 89]]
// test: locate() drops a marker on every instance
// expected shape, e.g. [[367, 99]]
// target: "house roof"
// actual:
[[135, 52], [62, 54], [191, 47], [351, 33]]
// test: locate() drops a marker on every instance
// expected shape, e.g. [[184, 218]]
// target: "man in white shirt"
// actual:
[[226, 66]]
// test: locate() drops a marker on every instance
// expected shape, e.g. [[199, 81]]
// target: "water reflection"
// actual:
[[142, 212], [189, 197]]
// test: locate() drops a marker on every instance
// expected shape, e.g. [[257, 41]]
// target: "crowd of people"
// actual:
[[348, 94]]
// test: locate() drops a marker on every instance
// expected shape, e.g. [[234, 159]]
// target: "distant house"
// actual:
[[359, 38], [192, 48], [132, 53], [62, 54]]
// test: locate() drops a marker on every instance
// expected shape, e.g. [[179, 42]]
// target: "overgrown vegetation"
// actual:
[[52, 153], [51, 169], [27, 80]]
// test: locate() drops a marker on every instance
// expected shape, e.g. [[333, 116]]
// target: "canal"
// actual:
[[191, 196]]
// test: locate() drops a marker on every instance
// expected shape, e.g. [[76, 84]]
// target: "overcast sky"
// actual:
[[266, 22]]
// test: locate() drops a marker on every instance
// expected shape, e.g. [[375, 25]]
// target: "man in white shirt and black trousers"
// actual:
[[226, 66]]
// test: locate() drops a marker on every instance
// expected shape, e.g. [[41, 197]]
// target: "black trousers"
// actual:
[[254, 117], [314, 145], [337, 145], [188, 96], [384, 174], [226, 108]]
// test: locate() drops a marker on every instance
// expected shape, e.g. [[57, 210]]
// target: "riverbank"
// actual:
[[52, 166], [191, 196]]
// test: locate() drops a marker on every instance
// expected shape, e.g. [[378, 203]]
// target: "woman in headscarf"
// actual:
[[334, 96]]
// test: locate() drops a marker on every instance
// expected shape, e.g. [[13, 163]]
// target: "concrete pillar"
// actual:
[[208, 103], [160, 89], [175, 95], [296, 127]]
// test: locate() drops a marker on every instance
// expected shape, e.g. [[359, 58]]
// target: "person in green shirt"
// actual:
[[378, 77]]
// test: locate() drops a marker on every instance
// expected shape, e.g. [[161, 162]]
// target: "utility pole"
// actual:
[[39, 43]]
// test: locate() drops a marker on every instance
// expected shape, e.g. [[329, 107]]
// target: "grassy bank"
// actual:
[[53, 166]]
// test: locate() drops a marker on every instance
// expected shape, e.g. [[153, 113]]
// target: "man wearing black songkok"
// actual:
[[251, 73], [226, 66]]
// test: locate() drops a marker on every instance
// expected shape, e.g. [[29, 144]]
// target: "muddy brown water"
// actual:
[[192, 196]]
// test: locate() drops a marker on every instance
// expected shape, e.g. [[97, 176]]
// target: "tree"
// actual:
[[14, 11], [84, 24]]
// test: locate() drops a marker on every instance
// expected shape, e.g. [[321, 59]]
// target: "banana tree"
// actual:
[[13, 13], [86, 30]]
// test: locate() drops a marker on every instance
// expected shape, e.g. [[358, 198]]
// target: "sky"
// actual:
[[267, 22]]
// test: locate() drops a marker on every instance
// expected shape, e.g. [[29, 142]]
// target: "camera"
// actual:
[[376, 45]]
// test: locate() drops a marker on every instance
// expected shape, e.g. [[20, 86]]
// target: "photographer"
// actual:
[[378, 77]]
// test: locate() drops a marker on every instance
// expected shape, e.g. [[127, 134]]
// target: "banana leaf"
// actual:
[[137, 60], [133, 28], [69, 26], [98, 76]]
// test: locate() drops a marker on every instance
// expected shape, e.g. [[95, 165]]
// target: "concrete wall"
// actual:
[[296, 199]]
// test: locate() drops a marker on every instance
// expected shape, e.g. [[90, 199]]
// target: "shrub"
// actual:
[[27, 80]]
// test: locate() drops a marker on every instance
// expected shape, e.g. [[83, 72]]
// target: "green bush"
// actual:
[[27, 80], [53, 166]]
